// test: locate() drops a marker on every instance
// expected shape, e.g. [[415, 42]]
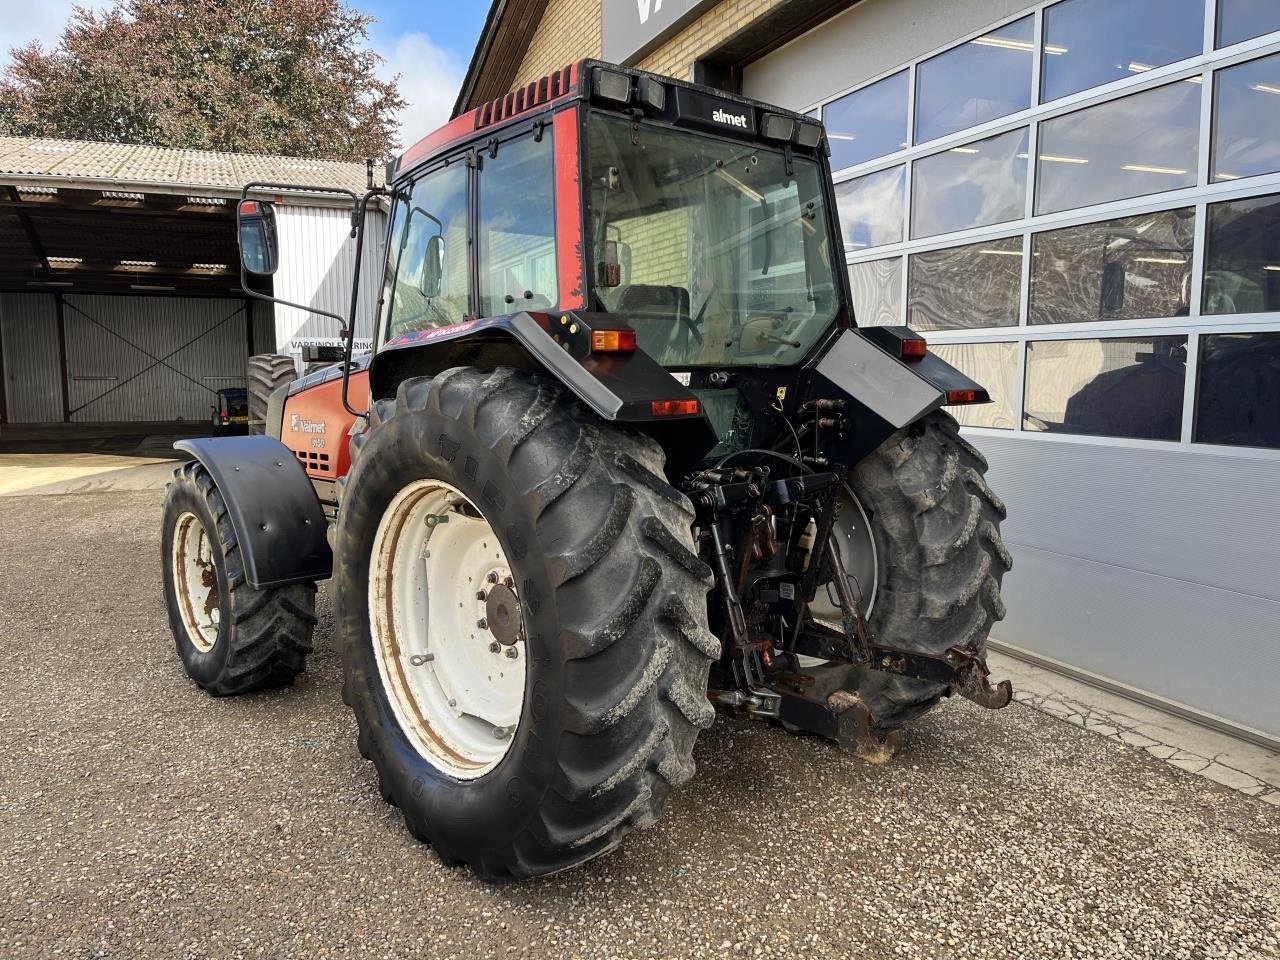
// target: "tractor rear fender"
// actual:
[[273, 508], [628, 388], [883, 392]]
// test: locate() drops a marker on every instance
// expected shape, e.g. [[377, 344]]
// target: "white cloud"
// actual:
[[430, 77], [43, 21]]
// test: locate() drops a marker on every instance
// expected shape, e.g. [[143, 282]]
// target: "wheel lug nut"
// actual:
[[512, 653], [481, 595], [510, 583], [494, 646], [482, 623], [492, 578]]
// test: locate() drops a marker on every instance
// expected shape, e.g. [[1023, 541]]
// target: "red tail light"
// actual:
[[673, 408], [249, 208], [962, 396], [613, 341], [914, 349]]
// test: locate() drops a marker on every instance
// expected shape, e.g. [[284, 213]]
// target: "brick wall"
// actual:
[[570, 30]]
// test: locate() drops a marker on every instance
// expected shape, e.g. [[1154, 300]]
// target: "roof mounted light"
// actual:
[[653, 94], [809, 134], [777, 127], [612, 85]]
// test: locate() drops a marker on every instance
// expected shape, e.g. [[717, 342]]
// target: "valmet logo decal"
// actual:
[[732, 119], [629, 28]]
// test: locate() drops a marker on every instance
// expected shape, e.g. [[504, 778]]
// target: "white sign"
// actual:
[[631, 28]]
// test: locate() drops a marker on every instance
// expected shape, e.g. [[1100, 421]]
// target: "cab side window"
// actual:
[[517, 243], [427, 278]]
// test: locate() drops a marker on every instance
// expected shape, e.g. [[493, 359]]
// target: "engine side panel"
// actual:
[[316, 425]]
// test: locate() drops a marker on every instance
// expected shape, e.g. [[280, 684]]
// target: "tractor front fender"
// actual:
[[273, 508], [620, 387]]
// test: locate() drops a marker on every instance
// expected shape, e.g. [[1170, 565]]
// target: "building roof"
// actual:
[[500, 50], [86, 163]]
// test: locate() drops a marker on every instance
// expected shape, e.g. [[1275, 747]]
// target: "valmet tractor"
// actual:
[[620, 458]]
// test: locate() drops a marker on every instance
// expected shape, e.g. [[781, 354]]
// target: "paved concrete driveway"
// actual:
[[139, 818]]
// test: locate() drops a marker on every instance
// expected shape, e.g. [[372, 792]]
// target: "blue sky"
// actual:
[[428, 43]]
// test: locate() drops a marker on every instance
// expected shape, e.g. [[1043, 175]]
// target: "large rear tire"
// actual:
[[268, 372], [940, 557], [613, 634], [231, 638]]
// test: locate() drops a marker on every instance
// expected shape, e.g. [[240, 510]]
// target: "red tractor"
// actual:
[[620, 458]]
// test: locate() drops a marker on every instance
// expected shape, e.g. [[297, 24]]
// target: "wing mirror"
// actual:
[[259, 246]]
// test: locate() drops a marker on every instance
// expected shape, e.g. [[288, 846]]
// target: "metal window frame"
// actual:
[[1206, 65]]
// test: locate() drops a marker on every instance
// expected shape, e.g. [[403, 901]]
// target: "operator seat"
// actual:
[[660, 316]]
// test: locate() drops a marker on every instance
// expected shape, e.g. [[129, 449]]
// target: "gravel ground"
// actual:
[[139, 818]]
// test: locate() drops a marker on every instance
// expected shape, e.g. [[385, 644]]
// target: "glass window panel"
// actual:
[[871, 208], [1120, 269], [1238, 393], [876, 286], [867, 123], [985, 78], [1246, 119], [1245, 19], [969, 287], [1088, 42], [1242, 266], [995, 366], [516, 229], [979, 183], [1107, 388], [1141, 144]]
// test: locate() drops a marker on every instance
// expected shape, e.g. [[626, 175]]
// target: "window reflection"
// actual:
[[995, 366], [876, 287], [1119, 269], [867, 123], [1141, 144], [985, 78], [1246, 120], [1242, 266], [973, 185], [1109, 388], [871, 208], [1238, 393], [1089, 42], [1240, 20], [977, 285]]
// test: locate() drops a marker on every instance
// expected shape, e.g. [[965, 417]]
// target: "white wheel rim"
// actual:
[[195, 581], [857, 545], [455, 683]]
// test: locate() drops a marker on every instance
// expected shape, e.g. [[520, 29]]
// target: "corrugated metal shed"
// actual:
[[32, 370], [207, 173]]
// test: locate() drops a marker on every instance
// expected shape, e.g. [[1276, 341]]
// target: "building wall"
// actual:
[[866, 40], [317, 265], [32, 370]]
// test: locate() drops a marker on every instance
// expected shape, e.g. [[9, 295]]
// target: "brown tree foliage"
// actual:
[[292, 77]]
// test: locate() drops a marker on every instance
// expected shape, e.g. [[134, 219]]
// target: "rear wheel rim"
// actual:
[[455, 681], [857, 545], [195, 581]]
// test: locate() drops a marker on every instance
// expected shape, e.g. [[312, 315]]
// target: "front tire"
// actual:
[[612, 599], [231, 638]]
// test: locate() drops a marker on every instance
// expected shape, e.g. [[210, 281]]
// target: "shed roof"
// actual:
[[162, 169]]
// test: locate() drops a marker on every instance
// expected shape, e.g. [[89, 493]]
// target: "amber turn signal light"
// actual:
[[673, 408], [613, 341], [913, 349]]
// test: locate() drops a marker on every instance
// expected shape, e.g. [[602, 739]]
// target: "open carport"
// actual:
[[120, 299]]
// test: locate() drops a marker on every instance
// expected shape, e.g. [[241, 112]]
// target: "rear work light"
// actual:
[[962, 396], [613, 341], [611, 85], [914, 349], [778, 127], [673, 408], [809, 135]]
